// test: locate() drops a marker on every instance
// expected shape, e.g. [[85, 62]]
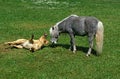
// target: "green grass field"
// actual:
[[21, 18]]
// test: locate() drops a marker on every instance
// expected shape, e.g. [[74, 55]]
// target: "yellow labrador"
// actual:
[[31, 44]]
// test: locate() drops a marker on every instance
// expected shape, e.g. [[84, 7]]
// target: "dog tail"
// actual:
[[31, 40], [99, 38]]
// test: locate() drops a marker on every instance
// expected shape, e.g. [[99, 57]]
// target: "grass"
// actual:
[[21, 18]]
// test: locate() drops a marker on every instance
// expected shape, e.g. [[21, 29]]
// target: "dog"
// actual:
[[31, 44]]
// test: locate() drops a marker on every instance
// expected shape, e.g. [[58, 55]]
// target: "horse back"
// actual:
[[79, 25], [91, 24], [84, 25]]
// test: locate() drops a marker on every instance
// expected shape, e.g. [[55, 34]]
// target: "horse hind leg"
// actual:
[[90, 38], [90, 49]]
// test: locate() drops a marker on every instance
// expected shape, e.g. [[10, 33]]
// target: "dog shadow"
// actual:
[[79, 48]]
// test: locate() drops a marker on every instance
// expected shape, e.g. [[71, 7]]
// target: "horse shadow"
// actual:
[[79, 48]]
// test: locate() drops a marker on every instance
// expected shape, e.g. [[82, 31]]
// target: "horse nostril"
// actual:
[[54, 42]]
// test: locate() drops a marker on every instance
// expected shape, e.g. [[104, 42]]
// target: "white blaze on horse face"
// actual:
[[54, 39], [54, 33]]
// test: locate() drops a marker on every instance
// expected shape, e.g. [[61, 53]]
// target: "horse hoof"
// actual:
[[69, 49], [87, 55], [74, 52]]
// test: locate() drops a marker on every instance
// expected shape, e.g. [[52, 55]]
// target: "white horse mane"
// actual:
[[56, 25]]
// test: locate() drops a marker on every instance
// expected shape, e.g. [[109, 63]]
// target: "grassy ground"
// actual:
[[21, 18]]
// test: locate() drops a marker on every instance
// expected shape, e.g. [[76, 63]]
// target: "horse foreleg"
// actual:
[[70, 48], [72, 42], [91, 45]]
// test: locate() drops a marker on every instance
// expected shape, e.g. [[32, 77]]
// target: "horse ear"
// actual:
[[52, 28]]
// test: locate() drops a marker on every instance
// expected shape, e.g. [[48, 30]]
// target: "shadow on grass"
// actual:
[[79, 48], [4, 48]]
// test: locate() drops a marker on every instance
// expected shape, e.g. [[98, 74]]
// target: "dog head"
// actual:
[[43, 39]]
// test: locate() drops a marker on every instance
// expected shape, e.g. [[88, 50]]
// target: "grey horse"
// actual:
[[81, 26]]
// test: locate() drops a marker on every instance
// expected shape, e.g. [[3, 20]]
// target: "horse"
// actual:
[[81, 26]]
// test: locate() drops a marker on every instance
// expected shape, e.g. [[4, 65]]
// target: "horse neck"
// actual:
[[61, 27]]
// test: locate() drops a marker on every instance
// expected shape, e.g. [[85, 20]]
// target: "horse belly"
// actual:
[[79, 30], [78, 27]]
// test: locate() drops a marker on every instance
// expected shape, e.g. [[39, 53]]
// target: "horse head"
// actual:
[[54, 33]]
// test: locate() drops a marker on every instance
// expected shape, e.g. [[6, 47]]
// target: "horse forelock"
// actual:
[[56, 26], [54, 29]]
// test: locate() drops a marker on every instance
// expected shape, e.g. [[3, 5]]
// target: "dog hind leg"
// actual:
[[17, 46], [17, 42]]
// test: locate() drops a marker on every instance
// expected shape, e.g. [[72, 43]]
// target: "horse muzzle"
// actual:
[[54, 42]]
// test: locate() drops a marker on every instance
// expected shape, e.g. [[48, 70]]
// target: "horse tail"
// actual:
[[99, 37]]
